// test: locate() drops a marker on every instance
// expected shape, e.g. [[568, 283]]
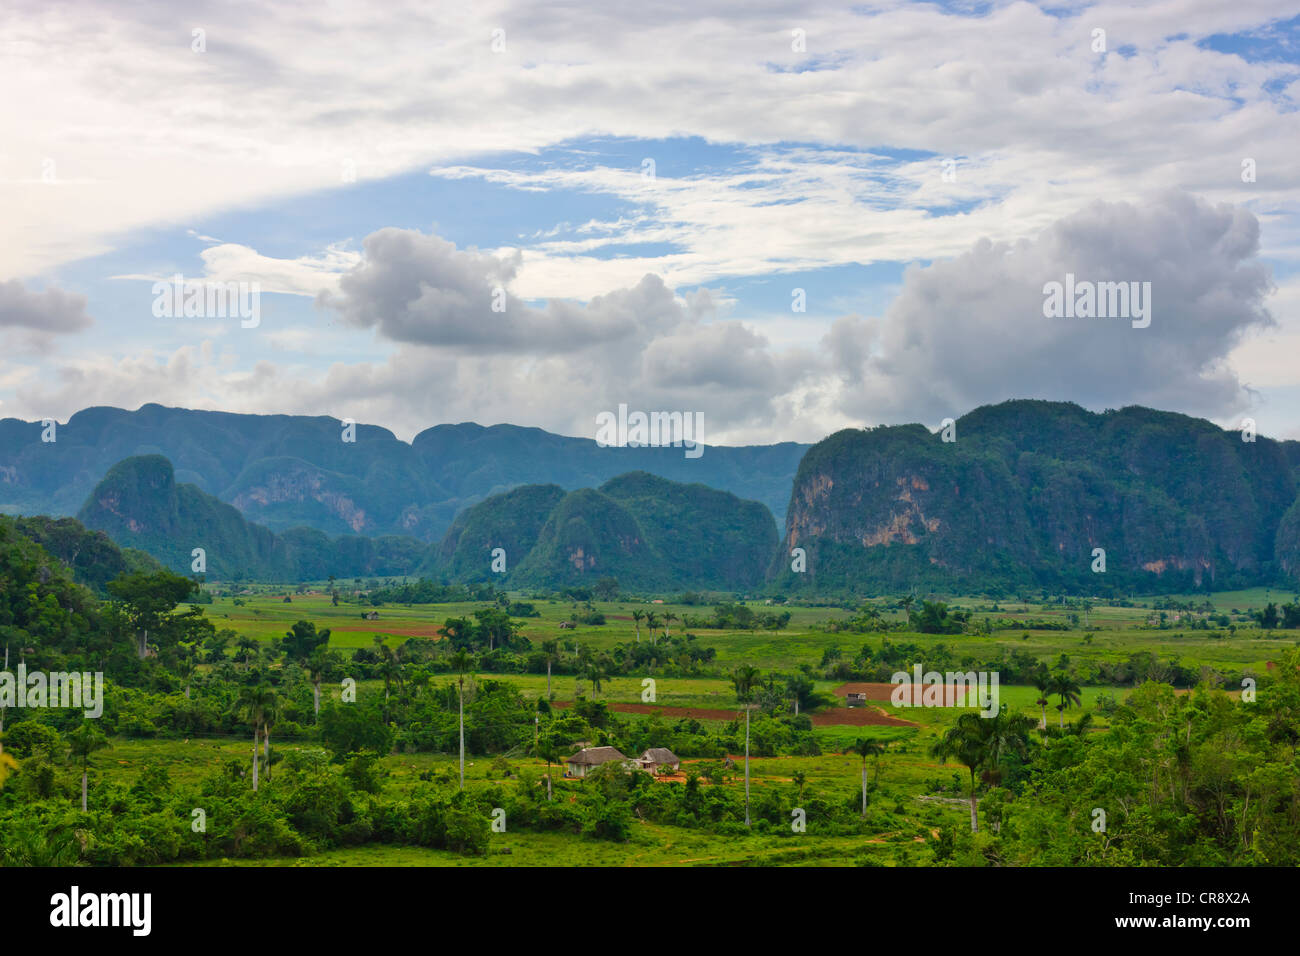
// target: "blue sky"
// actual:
[[379, 183]]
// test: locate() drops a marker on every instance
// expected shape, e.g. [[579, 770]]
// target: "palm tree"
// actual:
[[865, 747], [595, 672], [669, 617], [83, 742], [651, 622], [800, 779], [252, 705], [549, 752], [270, 714], [1065, 688], [317, 664], [981, 744], [1043, 684], [638, 616], [745, 679], [552, 651], [462, 662]]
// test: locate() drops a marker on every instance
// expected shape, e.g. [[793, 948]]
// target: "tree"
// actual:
[[865, 747], [549, 750], [800, 779], [146, 600], [270, 714], [83, 742], [651, 622], [304, 640], [981, 744], [320, 664], [669, 617], [1065, 688], [595, 672], [1043, 684], [962, 743], [744, 679], [1268, 618], [638, 616], [462, 662], [253, 702], [551, 650]]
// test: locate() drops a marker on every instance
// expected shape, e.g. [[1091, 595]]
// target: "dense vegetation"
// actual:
[[1027, 491]]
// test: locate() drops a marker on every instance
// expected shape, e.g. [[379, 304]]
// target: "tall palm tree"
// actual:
[[595, 672], [745, 678], [83, 742], [552, 651], [270, 714], [252, 704], [317, 665], [1043, 684], [462, 662], [865, 747], [669, 617], [1068, 691], [550, 752], [638, 616], [651, 622], [962, 742], [981, 744]]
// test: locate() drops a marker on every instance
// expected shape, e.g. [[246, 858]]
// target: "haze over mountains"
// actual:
[[1023, 497]]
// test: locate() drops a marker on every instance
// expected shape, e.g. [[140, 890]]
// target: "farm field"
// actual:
[[914, 795]]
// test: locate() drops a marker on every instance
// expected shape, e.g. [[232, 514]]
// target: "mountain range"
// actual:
[[285, 471], [1025, 493]]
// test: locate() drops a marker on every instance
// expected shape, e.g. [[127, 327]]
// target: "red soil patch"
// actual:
[[886, 691]]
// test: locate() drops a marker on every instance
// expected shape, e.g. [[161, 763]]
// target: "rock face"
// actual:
[[1028, 491], [644, 530]]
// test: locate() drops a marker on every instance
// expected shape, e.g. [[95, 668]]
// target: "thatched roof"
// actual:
[[660, 755], [593, 756]]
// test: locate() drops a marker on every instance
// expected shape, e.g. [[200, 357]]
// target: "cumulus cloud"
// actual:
[[51, 311], [421, 289], [971, 329]]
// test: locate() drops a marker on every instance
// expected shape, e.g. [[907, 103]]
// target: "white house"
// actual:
[[589, 757]]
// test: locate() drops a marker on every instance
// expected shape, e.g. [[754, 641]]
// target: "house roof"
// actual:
[[660, 755], [591, 756]]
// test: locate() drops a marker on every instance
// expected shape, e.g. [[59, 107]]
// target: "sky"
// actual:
[[789, 219]]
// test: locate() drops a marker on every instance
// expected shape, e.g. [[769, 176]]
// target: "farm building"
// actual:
[[588, 757], [658, 759], [371, 615], [565, 624], [855, 699]]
